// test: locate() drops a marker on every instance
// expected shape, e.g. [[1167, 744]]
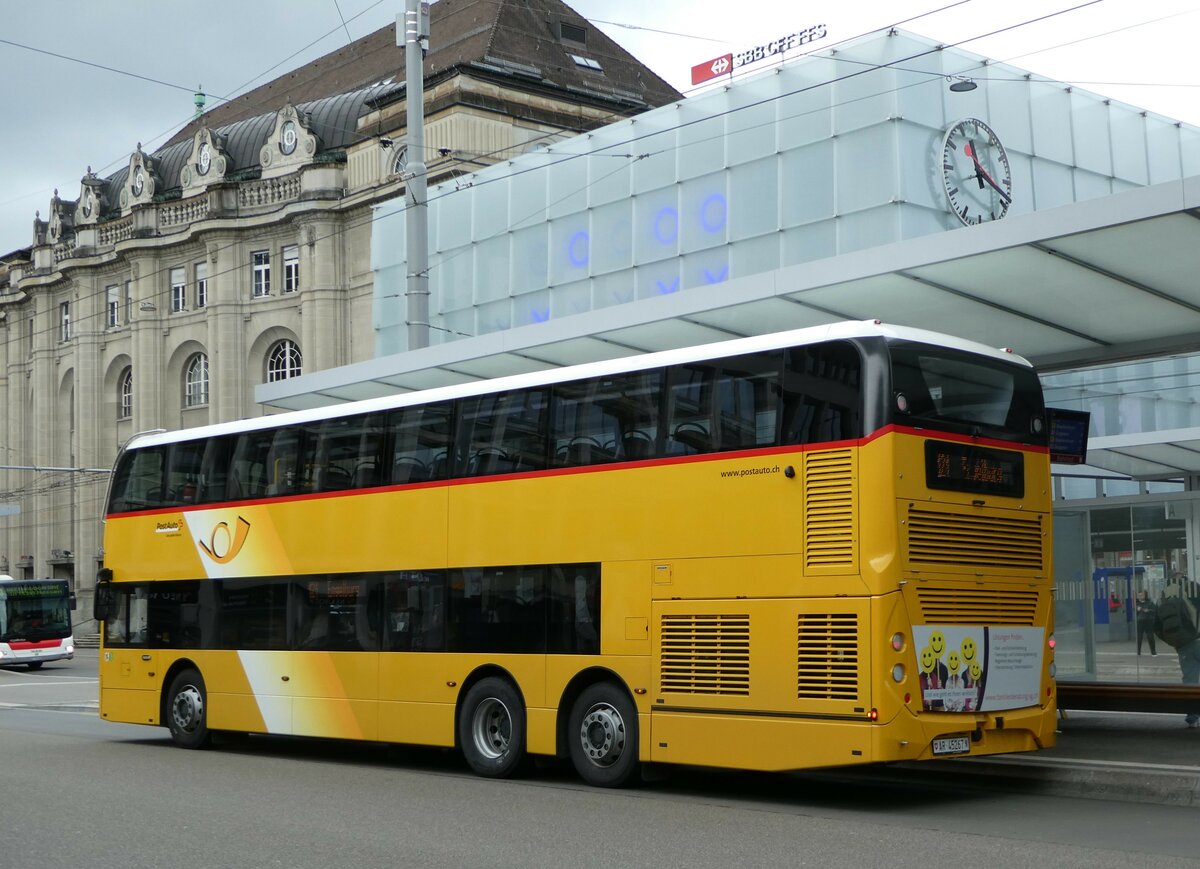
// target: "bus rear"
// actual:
[[35, 622]]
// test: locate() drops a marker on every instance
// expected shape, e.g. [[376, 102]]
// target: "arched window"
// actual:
[[195, 391], [284, 361], [125, 395]]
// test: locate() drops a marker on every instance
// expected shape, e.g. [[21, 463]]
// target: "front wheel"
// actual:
[[491, 728], [187, 711], [602, 733]]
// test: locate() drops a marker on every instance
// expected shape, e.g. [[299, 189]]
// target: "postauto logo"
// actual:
[[225, 543]]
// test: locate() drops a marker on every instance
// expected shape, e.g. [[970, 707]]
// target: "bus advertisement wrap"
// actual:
[[978, 669]]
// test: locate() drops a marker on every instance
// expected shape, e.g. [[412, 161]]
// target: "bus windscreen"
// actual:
[[944, 389]]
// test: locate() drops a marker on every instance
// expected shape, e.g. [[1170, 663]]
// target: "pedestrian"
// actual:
[[1175, 625], [1146, 610]]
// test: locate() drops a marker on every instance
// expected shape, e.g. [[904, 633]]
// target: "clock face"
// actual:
[[88, 204], [976, 173], [139, 182], [287, 138], [204, 159]]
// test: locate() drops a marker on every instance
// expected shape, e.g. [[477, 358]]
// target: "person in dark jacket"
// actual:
[[1145, 620]]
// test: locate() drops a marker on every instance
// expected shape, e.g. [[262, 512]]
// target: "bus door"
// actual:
[[129, 676]]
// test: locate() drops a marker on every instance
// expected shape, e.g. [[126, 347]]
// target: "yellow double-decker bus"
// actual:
[[822, 547]]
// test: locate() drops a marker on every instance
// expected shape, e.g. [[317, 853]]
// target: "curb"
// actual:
[[1160, 784]]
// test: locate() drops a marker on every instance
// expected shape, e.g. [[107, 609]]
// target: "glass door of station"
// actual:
[[1104, 556]]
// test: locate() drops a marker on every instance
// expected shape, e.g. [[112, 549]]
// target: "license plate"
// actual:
[[952, 745]]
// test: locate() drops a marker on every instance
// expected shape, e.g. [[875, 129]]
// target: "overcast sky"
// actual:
[[57, 116]]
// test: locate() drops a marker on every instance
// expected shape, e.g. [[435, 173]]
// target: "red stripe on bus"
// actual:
[[25, 645], [736, 455]]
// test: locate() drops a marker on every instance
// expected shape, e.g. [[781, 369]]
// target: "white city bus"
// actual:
[[35, 621]]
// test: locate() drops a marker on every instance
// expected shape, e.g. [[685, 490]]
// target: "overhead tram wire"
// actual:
[[163, 294], [372, 218]]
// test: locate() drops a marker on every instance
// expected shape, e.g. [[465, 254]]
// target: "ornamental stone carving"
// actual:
[[290, 145], [207, 164], [141, 183], [92, 200]]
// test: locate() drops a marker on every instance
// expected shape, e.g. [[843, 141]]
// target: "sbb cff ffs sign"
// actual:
[[726, 63]]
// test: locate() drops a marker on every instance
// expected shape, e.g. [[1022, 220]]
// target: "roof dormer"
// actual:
[[141, 182], [207, 164], [291, 144]]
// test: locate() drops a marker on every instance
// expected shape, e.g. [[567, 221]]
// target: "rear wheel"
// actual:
[[35, 665], [491, 728], [602, 733], [187, 711]]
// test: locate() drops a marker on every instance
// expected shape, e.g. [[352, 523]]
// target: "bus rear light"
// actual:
[[873, 715], [907, 698], [1051, 642], [898, 673], [897, 642]]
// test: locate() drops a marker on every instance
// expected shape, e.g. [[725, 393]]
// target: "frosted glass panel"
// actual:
[[657, 279], [1091, 186], [751, 128], [656, 227], [568, 186], [655, 135], [491, 269], [570, 249], [754, 211], [706, 268], [1089, 120], [701, 140], [865, 229], [804, 112], [531, 308], [570, 299], [1008, 107], [866, 172], [530, 253], [862, 100], [1129, 145], [754, 256], [1052, 185], [490, 204], [612, 237], [1163, 157], [528, 202], [703, 212], [806, 243], [1051, 112], [919, 148], [493, 317], [611, 173], [453, 222], [807, 174]]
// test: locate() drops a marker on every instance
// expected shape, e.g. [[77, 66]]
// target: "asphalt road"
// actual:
[[78, 791]]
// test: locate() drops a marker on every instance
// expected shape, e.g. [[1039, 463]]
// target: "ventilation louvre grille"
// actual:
[[705, 654], [827, 656], [829, 508], [971, 606], [975, 540]]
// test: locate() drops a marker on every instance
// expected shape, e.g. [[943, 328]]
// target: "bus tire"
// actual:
[[491, 728], [187, 710], [35, 665], [602, 734]]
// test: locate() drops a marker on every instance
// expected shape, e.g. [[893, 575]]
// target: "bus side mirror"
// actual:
[[74, 603], [102, 603]]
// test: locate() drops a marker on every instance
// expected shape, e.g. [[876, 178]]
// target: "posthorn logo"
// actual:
[[224, 544]]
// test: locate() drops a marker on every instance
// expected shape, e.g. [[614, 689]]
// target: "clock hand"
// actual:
[[982, 174]]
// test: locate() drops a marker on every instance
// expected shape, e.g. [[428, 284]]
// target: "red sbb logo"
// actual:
[[711, 69]]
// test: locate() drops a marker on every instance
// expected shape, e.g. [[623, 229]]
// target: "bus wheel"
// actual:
[[35, 665], [602, 733], [491, 728], [187, 713]]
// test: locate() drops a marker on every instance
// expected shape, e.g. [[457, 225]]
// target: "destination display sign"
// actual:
[[960, 467]]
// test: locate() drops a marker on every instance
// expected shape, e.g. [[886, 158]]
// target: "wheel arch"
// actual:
[[581, 681], [477, 675], [174, 670]]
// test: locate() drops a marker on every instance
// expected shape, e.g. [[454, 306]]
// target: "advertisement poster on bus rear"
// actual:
[[974, 668]]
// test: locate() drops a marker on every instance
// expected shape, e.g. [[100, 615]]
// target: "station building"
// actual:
[[822, 190]]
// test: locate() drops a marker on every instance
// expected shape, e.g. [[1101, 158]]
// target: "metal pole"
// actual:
[[416, 217]]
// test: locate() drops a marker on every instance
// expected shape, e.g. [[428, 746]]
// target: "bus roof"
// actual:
[[620, 365]]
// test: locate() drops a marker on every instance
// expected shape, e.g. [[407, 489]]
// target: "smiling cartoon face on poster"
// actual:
[[972, 668]]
